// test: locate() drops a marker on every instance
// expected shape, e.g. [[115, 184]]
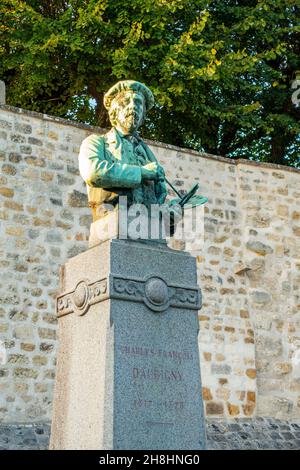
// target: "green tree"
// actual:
[[221, 70]]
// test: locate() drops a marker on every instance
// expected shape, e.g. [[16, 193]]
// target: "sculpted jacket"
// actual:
[[111, 166]]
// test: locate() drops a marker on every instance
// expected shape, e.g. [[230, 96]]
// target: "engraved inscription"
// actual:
[[158, 380], [157, 375], [167, 405], [137, 351]]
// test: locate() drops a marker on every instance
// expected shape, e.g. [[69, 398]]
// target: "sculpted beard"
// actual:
[[132, 120]]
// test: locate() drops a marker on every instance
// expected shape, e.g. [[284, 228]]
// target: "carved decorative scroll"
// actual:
[[153, 291], [80, 299]]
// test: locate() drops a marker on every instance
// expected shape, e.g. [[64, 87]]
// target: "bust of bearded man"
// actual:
[[119, 163]]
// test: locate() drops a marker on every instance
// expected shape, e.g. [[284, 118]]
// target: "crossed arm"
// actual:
[[98, 170]]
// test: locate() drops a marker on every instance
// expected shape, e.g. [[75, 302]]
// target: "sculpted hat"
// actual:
[[126, 85]]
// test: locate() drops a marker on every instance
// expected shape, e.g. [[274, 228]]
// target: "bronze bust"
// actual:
[[119, 163]]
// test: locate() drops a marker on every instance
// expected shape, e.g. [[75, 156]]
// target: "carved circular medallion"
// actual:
[[81, 297], [157, 294]]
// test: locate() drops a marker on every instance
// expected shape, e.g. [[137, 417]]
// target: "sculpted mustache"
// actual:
[[131, 114]]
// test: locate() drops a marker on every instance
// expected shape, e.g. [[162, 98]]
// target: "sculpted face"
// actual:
[[129, 111]]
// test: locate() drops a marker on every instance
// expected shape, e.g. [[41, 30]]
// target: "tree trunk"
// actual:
[[228, 137], [101, 112], [278, 147]]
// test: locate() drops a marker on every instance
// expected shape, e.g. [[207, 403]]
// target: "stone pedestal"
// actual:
[[128, 374]]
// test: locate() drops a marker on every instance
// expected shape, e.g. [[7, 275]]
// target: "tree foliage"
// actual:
[[221, 70]]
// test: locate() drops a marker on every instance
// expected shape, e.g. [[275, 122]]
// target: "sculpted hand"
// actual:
[[153, 171], [160, 173], [149, 171]]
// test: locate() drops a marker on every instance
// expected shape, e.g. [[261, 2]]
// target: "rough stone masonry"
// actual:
[[234, 434], [248, 268]]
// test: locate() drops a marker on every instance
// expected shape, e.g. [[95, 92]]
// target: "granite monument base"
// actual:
[[128, 373]]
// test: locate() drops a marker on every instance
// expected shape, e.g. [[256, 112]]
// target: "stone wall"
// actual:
[[236, 434], [249, 268]]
